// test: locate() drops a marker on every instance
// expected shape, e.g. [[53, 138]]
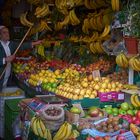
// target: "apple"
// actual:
[[115, 110], [75, 110], [131, 106], [137, 121], [133, 119], [125, 106], [94, 112], [138, 114], [108, 110], [135, 111], [131, 112], [123, 112]]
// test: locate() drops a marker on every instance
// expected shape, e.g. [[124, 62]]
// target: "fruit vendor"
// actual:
[[7, 49]]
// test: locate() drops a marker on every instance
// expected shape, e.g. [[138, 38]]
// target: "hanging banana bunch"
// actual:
[[73, 18], [24, 20], [43, 11], [122, 60], [134, 63]]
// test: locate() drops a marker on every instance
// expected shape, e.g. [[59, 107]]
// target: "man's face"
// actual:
[[4, 34]]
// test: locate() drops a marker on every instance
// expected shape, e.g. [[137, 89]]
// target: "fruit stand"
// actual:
[[79, 83]]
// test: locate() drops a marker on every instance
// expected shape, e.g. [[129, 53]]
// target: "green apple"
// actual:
[[108, 110], [125, 106], [115, 114], [131, 112], [135, 111], [115, 110], [75, 110], [131, 107], [122, 112]]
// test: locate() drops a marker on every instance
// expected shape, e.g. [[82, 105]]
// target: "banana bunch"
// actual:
[[44, 26], [41, 12], [134, 63], [40, 50], [97, 21], [74, 38], [64, 132], [135, 100], [60, 25], [73, 19], [74, 134], [24, 20], [122, 60], [105, 32], [115, 5], [62, 6], [39, 128], [34, 2], [96, 47]]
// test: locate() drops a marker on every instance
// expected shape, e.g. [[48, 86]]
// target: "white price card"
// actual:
[[96, 73]]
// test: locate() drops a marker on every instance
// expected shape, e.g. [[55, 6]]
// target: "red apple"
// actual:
[[133, 119], [137, 121], [138, 114], [94, 112]]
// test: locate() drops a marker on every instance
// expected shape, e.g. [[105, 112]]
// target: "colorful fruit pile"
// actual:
[[102, 65], [79, 88], [121, 77]]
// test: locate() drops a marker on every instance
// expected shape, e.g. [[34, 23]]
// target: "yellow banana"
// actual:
[[132, 99], [105, 32], [92, 48], [60, 133], [117, 5], [43, 13], [39, 10], [122, 60], [134, 64], [43, 127], [39, 130], [73, 18], [49, 135], [68, 131], [24, 20], [113, 4], [34, 125], [136, 98]]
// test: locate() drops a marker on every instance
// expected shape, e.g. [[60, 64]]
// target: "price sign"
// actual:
[[96, 73]]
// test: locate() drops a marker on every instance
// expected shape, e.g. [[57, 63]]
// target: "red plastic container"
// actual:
[[131, 45]]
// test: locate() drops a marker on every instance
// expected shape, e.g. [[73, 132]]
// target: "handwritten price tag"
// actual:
[[96, 73]]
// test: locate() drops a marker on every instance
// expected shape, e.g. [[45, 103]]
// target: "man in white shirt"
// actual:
[[7, 49]]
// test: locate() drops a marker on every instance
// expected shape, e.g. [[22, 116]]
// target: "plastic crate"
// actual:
[[113, 104], [11, 112], [87, 102]]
